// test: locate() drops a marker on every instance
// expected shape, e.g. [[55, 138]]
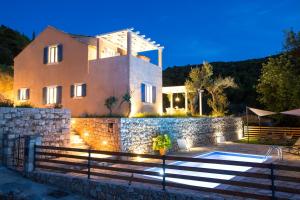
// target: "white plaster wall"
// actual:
[[141, 71]]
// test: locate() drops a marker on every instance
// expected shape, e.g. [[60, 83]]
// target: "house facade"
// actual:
[[81, 72]]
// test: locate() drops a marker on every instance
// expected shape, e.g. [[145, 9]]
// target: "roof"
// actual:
[[119, 38], [139, 42], [173, 89]]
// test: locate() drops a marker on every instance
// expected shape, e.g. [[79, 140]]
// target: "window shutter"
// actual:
[[59, 95], [143, 87], [83, 90], [46, 55], [19, 94], [27, 94], [44, 95], [72, 91], [153, 94], [60, 52]]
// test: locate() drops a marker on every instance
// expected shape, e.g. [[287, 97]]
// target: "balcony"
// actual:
[[123, 43]]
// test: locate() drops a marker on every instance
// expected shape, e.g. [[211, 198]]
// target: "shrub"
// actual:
[[6, 102], [110, 103], [162, 141], [57, 106], [24, 105]]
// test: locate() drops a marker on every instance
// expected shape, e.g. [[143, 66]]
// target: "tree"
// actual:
[[218, 101], [279, 84], [110, 103], [6, 85], [11, 44], [126, 98], [292, 43], [199, 78]]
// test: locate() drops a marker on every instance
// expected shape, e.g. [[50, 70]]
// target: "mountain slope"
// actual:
[[245, 74], [11, 44]]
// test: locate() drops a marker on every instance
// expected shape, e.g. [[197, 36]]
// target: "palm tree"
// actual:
[[110, 102], [126, 98]]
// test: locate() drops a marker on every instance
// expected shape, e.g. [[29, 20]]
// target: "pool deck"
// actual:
[[289, 159], [242, 148]]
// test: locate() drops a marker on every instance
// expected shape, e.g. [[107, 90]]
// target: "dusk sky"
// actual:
[[191, 31]]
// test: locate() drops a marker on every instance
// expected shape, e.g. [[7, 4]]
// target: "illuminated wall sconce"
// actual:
[[73, 121], [104, 142], [85, 134], [177, 99]]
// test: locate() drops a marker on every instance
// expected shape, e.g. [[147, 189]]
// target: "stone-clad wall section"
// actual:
[[53, 125], [136, 133], [98, 133]]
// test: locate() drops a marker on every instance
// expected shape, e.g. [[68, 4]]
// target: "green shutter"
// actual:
[[59, 95], [46, 49], [27, 94], [83, 90], [143, 88], [72, 91], [44, 95], [153, 94], [60, 52]]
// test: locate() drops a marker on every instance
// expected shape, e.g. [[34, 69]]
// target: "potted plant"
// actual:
[[162, 143]]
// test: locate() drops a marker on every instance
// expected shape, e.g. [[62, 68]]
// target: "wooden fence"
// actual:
[[276, 132], [124, 166]]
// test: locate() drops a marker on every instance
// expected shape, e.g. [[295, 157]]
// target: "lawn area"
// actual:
[[265, 142]]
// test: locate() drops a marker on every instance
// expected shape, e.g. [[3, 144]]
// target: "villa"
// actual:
[[80, 72]]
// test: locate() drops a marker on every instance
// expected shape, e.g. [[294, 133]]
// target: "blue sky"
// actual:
[[191, 31]]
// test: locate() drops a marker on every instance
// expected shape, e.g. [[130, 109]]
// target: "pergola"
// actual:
[[132, 42], [176, 90]]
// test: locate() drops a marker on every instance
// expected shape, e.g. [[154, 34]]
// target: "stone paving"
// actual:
[[15, 187]]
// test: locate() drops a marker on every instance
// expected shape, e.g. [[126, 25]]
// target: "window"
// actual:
[[148, 93], [53, 54], [23, 94], [51, 95], [78, 90]]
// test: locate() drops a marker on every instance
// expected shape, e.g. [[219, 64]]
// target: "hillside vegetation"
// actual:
[[11, 44], [245, 73]]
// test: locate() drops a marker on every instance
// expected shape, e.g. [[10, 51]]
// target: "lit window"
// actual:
[[78, 90], [23, 94], [51, 95], [148, 96], [148, 93], [53, 54]]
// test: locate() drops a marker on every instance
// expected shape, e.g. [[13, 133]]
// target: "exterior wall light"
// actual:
[[86, 134], [104, 142]]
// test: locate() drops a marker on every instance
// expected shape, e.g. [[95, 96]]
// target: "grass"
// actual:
[[263, 142]]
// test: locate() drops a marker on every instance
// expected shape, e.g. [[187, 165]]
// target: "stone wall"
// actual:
[[98, 133], [53, 125], [102, 188], [136, 133]]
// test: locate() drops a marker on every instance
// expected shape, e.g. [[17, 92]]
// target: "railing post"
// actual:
[[164, 171], [30, 153], [272, 181], [89, 163]]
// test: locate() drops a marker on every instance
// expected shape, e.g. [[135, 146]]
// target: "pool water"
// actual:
[[220, 155]]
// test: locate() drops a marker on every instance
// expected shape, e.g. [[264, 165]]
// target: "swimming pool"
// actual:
[[220, 155]]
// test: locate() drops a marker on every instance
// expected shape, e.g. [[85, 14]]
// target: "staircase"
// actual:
[[76, 141]]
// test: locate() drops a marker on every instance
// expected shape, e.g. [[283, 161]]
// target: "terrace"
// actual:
[[124, 43]]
